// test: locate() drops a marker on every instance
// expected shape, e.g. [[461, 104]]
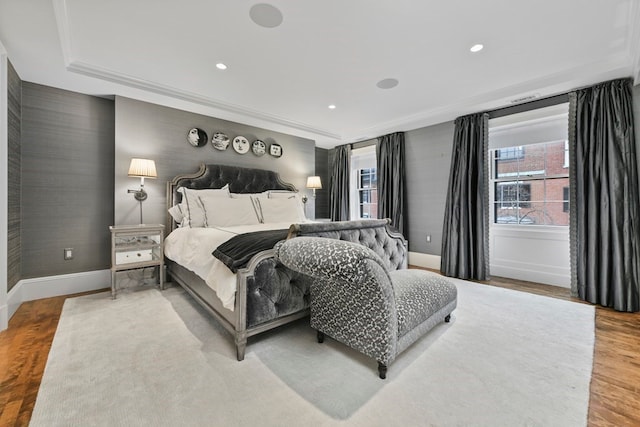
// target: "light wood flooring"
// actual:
[[615, 383]]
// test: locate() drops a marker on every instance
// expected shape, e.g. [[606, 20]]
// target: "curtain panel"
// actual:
[[605, 237], [339, 192], [391, 180], [465, 234]]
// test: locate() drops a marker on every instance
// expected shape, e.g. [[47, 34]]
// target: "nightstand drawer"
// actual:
[[129, 257]]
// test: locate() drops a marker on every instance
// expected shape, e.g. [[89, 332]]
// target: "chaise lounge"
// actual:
[[360, 301]]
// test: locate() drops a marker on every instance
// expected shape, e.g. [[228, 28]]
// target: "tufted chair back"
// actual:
[[374, 234]]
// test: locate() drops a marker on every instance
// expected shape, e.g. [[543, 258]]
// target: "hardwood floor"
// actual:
[[615, 383], [24, 348]]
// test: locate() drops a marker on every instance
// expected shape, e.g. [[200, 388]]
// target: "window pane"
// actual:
[[556, 158], [565, 199], [365, 180], [556, 214], [505, 167], [532, 214], [533, 163]]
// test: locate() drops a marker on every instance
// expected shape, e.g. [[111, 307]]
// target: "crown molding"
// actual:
[[633, 40], [551, 84], [76, 66], [621, 65], [64, 29], [165, 90]]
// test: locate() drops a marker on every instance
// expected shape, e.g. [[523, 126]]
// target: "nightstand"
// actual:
[[134, 247]]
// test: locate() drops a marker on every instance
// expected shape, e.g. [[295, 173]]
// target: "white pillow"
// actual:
[[177, 214], [283, 194], [195, 215], [254, 195], [281, 210], [226, 212]]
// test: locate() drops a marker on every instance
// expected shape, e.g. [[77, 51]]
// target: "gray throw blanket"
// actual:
[[236, 252]]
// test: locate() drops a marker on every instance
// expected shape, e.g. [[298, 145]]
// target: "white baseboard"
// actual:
[[53, 286], [424, 260], [541, 275], [4, 317]]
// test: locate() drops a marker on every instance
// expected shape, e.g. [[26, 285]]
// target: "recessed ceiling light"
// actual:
[[265, 15], [332, 107], [476, 48], [221, 66], [387, 83]]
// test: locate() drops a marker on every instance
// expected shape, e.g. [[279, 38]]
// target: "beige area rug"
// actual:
[[154, 358]]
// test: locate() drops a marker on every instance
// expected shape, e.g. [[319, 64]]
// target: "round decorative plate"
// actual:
[[258, 147], [275, 150], [240, 144], [220, 141], [197, 137]]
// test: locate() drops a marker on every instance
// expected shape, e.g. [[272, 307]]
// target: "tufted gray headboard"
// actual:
[[240, 180], [372, 233]]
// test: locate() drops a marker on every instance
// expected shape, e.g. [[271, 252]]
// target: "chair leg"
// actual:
[[320, 337], [447, 319], [382, 370]]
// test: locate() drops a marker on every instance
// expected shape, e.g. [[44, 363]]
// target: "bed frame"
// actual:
[[267, 293], [275, 294]]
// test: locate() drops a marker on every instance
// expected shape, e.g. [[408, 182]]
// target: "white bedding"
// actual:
[[192, 248]]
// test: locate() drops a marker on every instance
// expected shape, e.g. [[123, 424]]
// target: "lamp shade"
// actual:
[[143, 168], [314, 182]]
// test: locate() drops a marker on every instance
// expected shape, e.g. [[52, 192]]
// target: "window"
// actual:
[[367, 193], [532, 187], [364, 183]]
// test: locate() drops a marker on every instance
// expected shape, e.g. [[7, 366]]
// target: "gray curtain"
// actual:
[[391, 180], [465, 235], [340, 183], [605, 234]]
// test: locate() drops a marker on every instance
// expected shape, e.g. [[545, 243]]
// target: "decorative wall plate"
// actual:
[[240, 144], [275, 150], [220, 141], [197, 137], [258, 147]]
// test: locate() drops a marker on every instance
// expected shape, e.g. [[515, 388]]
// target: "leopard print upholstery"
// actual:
[[356, 300]]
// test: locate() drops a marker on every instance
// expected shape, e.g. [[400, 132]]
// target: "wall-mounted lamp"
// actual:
[[142, 168], [314, 183]]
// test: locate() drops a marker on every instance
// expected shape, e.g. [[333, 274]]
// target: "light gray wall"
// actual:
[[67, 180], [428, 159], [14, 104], [159, 133]]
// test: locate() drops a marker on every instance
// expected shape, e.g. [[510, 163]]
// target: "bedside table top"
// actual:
[[138, 227]]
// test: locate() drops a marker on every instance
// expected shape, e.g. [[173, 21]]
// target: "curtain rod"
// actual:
[[527, 106]]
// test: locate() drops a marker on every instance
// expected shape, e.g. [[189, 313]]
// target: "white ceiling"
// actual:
[[325, 52]]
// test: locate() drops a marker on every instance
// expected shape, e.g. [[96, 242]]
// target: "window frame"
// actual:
[[362, 159], [522, 178]]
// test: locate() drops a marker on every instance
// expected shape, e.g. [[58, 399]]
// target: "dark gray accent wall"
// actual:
[[14, 103], [67, 180], [428, 159], [322, 170], [160, 133]]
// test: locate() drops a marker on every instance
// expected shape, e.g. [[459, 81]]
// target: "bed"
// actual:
[[259, 294]]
